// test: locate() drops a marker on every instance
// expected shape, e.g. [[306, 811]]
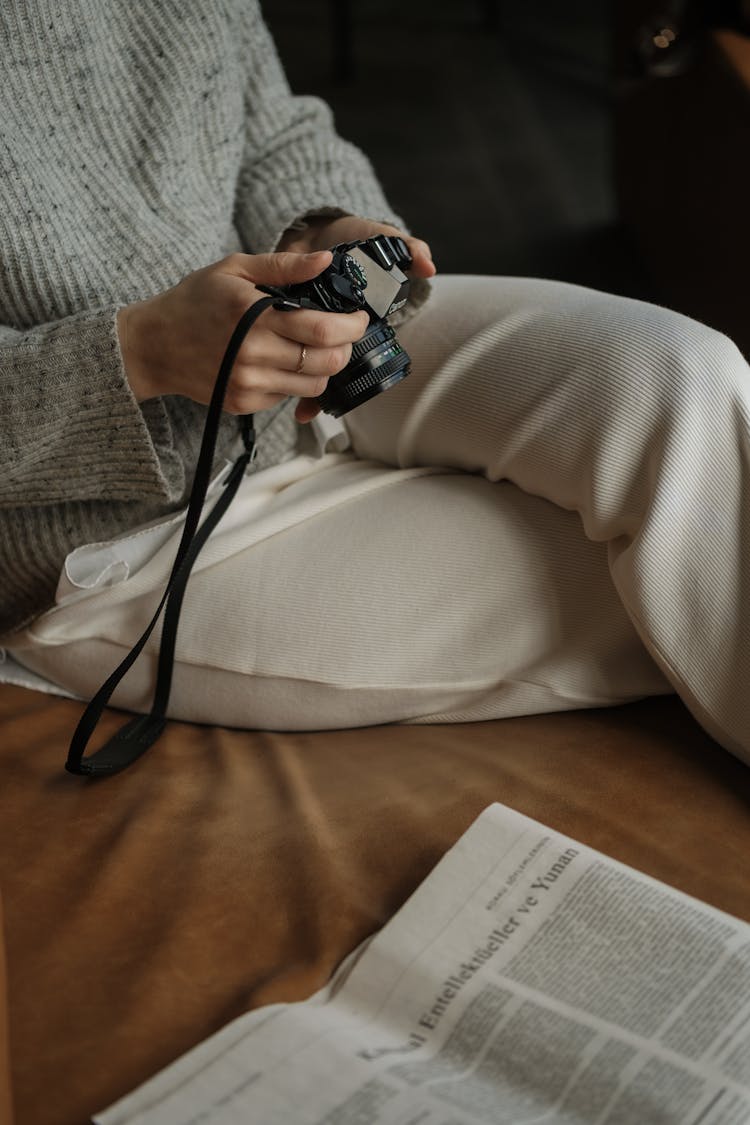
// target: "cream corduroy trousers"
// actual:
[[550, 512]]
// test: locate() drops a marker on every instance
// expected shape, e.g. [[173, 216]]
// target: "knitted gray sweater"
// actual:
[[138, 142]]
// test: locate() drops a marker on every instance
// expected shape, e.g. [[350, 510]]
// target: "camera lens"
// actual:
[[378, 362]]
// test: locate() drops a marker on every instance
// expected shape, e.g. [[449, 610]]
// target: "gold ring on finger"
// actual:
[[302, 357]]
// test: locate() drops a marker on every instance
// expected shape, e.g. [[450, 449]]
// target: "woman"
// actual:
[[547, 514]]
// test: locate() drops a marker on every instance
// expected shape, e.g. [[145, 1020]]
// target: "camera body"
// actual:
[[368, 274]]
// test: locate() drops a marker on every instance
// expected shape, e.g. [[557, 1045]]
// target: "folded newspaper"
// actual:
[[528, 979]]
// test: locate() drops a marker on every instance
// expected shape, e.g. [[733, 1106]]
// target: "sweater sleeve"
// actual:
[[294, 162], [70, 427]]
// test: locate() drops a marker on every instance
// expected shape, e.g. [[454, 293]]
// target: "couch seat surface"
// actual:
[[230, 869]]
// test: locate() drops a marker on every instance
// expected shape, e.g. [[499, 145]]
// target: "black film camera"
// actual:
[[365, 275]]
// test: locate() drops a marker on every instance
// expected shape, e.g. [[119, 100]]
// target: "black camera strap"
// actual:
[[137, 735]]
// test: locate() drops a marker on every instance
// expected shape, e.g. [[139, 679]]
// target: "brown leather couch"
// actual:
[[229, 869]]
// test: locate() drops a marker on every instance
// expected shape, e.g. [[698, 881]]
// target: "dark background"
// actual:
[[532, 138], [490, 130]]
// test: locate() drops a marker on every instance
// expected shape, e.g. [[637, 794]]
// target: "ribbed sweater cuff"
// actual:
[[108, 447]]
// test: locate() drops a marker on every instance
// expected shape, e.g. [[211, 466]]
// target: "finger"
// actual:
[[284, 268], [271, 381], [269, 350], [243, 402], [318, 329], [421, 255], [306, 409]]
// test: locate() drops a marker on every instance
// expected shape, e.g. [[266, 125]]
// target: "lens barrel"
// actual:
[[378, 362]]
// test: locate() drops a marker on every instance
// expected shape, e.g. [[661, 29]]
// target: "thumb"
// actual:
[[283, 268]]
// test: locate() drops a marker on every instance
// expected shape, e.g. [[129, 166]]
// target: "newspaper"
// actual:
[[528, 979]]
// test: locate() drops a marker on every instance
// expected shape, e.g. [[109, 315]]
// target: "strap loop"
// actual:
[[138, 734]]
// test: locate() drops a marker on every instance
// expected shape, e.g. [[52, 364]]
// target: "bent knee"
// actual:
[[662, 355]]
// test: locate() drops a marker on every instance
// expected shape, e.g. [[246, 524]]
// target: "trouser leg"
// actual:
[[584, 544], [365, 595], [635, 418]]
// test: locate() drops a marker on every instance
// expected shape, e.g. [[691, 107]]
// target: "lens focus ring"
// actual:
[[380, 334]]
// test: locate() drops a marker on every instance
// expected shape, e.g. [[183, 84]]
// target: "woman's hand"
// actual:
[[173, 343], [322, 233]]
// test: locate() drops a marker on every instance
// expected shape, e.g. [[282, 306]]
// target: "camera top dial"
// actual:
[[342, 286], [356, 274]]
